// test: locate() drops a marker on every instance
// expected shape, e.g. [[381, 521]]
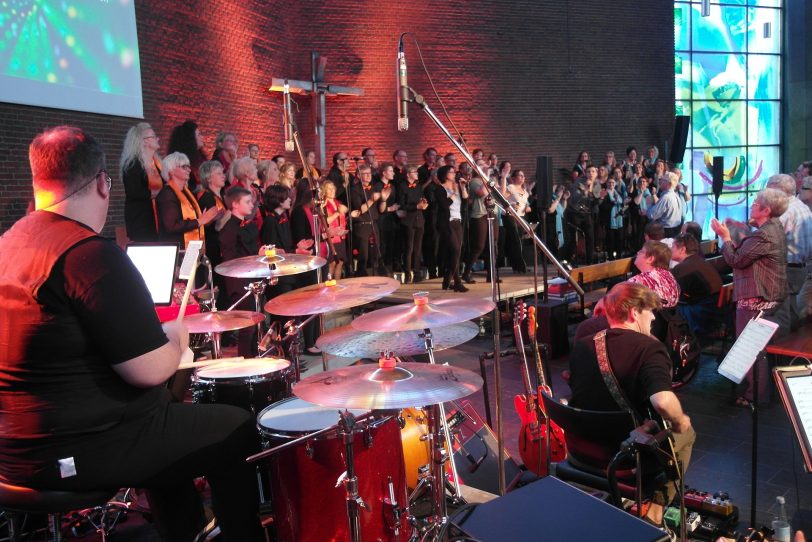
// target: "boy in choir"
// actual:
[[238, 238]]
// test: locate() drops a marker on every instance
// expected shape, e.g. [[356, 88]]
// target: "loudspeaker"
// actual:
[[718, 175], [681, 125], [544, 181], [549, 509], [553, 319], [475, 453]]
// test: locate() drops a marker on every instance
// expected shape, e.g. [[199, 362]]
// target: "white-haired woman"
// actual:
[[180, 218], [759, 262], [141, 175]]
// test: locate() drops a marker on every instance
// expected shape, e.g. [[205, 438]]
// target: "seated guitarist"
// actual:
[[642, 369]]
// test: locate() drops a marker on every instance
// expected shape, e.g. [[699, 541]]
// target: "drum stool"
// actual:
[[17, 500]]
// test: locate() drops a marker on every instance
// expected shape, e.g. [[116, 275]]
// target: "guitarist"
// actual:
[[642, 368]]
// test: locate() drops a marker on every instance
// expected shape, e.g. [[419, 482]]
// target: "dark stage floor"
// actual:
[[721, 458]]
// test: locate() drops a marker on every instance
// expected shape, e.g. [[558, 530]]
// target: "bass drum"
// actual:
[[308, 498]]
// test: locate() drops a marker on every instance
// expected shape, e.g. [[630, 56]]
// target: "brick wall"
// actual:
[[520, 78]]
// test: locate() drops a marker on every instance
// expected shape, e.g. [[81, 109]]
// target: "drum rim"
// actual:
[[273, 432], [279, 374]]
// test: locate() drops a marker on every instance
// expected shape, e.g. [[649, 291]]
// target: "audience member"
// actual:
[[668, 209], [652, 260], [698, 280], [759, 272]]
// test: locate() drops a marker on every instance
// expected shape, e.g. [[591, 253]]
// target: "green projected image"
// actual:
[[89, 47], [727, 78]]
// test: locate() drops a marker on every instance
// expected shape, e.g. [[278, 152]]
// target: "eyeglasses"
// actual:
[[107, 179], [151, 137], [187, 167]]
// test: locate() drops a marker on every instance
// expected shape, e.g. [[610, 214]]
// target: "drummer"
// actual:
[[238, 238], [84, 360]]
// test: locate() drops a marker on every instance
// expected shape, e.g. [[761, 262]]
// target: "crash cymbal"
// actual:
[[331, 296], [259, 267], [423, 313], [346, 341], [372, 387], [215, 322]]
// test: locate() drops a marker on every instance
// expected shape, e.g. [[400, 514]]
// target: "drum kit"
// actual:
[[379, 430]]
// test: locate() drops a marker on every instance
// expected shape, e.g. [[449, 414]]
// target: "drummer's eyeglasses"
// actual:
[[107, 179]]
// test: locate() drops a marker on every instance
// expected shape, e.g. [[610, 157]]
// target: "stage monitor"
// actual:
[[81, 56], [795, 388], [156, 263]]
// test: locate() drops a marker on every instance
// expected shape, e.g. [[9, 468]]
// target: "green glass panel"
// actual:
[[764, 30], [763, 162], [724, 30], [763, 77], [718, 123], [763, 123], [718, 76]]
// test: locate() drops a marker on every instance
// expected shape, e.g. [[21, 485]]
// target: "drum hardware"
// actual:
[[346, 426], [292, 330], [256, 289], [213, 323]]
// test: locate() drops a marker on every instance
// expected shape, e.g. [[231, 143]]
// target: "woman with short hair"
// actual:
[[653, 262]]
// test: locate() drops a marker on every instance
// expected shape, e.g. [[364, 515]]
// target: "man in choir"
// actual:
[[412, 203], [364, 213]]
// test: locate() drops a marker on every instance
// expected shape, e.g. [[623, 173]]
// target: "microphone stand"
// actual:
[[499, 198], [318, 217]]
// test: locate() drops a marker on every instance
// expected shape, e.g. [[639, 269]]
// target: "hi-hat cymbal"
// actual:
[[402, 386], [259, 267], [434, 313], [215, 322], [321, 298], [346, 341]]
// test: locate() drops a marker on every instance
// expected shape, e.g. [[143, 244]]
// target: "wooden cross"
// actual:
[[318, 89]]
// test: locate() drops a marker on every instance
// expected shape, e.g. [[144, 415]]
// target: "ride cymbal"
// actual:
[[260, 267], [331, 296], [346, 341], [423, 313]]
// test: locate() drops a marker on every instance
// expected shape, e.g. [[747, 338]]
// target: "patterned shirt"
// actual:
[[797, 223], [662, 282]]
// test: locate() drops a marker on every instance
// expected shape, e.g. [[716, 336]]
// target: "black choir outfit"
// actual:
[[413, 223]]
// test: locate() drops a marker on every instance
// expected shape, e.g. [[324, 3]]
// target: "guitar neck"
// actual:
[[532, 327], [517, 335]]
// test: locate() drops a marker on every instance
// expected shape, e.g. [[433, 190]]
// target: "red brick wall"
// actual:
[[520, 78]]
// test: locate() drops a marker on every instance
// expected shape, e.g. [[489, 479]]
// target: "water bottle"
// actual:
[[781, 529]]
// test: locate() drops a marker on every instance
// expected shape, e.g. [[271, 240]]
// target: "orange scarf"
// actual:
[[190, 210]]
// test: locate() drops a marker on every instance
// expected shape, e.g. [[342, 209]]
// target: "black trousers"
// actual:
[[513, 245], [478, 235], [614, 243], [583, 222], [451, 238], [414, 248], [391, 249], [163, 453], [360, 244], [431, 243]]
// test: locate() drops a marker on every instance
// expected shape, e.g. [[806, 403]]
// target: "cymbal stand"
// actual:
[[440, 437], [292, 335], [346, 426], [256, 289]]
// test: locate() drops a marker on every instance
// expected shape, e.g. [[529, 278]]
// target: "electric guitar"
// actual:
[[534, 441]]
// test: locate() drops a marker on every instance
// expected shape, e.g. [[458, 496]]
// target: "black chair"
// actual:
[[594, 440], [18, 500]]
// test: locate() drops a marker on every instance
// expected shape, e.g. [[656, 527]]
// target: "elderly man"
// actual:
[[797, 223], [641, 366], [83, 404], [668, 210]]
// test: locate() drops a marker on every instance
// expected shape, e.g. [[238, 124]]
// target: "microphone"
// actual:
[[288, 124], [403, 91]]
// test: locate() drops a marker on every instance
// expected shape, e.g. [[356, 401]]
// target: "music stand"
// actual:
[[795, 389]]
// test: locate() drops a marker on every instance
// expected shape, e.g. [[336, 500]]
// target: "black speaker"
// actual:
[[549, 509], [544, 181], [718, 175], [553, 319], [475, 451], [682, 123]]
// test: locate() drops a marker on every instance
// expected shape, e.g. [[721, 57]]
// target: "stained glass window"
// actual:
[[728, 80]]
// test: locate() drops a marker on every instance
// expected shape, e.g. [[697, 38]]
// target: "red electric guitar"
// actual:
[[534, 442]]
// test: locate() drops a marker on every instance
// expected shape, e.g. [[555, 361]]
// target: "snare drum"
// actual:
[[251, 384], [307, 504]]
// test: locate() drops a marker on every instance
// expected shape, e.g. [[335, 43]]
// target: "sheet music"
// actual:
[[800, 388], [190, 259], [752, 341]]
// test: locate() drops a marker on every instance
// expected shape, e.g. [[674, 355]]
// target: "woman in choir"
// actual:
[[180, 218], [186, 138], [518, 197], [449, 225], [141, 175], [336, 215]]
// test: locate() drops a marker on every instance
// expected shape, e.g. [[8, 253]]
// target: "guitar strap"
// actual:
[[609, 376]]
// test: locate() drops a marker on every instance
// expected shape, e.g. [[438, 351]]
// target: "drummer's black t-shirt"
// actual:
[[64, 384]]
